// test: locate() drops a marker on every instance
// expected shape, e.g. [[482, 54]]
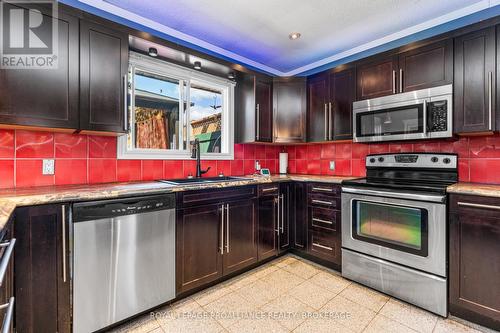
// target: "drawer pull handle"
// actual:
[[6, 258], [269, 189], [322, 189], [473, 205], [8, 315], [322, 202], [323, 247], [322, 221]]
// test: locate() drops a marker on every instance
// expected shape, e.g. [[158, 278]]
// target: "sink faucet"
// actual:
[[195, 153]]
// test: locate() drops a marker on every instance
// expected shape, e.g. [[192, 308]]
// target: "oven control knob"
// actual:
[[372, 160], [434, 159], [380, 159], [446, 160]]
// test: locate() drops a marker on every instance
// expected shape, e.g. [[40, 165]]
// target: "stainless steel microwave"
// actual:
[[420, 114]]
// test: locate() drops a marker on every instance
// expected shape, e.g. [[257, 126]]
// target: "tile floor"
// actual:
[[291, 294]]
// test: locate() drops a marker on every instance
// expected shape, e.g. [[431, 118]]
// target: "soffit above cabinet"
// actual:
[[255, 33]]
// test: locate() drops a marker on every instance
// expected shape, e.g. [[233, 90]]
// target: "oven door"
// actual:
[[402, 230], [396, 121]]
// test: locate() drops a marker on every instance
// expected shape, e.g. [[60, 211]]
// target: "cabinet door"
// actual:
[[44, 97], [286, 215], [289, 104], [42, 290], [267, 246], [103, 70], [300, 220], [317, 109], [377, 77], [263, 111], [199, 244], [475, 259], [342, 94], [426, 67], [474, 82], [240, 235]]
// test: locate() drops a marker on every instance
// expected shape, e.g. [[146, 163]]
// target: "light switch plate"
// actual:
[[332, 165], [48, 167]]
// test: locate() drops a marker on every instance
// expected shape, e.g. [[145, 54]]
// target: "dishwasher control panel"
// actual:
[[110, 208]]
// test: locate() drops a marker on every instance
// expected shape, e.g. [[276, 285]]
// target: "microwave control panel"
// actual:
[[437, 116]]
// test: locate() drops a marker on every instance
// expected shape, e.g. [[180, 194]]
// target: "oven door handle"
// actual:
[[397, 195]]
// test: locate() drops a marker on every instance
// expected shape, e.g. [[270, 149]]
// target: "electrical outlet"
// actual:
[[48, 167], [332, 165]]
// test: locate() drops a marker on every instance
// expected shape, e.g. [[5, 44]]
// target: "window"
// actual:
[[171, 106]]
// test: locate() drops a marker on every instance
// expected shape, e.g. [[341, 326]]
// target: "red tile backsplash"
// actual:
[[82, 159]]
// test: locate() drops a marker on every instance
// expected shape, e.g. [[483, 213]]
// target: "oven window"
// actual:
[[397, 227], [395, 121]]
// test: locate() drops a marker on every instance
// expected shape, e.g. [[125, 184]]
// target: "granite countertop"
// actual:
[[12, 198], [488, 190]]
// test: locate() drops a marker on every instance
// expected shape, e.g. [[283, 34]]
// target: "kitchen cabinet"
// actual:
[[474, 249], [474, 82], [289, 110], [264, 111], [7, 283], [317, 108], [41, 269], [300, 217], [286, 216], [376, 77], [268, 221], [44, 97], [103, 78], [342, 85]]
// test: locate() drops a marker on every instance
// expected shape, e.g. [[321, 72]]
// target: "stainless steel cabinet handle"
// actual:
[[321, 221], [258, 120], [125, 106], [322, 202], [424, 107], [473, 205], [326, 123], [322, 246], [6, 257], [400, 80], [222, 231], [490, 100], [322, 189], [277, 202], [227, 228], [393, 81], [330, 136], [8, 315], [269, 189], [282, 214], [63, 213]]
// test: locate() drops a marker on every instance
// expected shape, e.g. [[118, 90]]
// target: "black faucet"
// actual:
[[195, 153]]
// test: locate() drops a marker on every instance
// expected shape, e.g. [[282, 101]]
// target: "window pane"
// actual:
[[156, 112], [205, 117]]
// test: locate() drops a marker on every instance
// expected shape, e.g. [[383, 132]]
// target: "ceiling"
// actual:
[[256, 32]]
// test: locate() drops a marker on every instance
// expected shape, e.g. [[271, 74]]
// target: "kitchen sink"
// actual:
[[197, 181]]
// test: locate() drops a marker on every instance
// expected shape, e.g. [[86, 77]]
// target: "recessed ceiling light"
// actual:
[[197, 65], [153, 52], [294, 35]]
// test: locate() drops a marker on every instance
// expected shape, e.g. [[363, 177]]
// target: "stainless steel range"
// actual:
[[394, 227]]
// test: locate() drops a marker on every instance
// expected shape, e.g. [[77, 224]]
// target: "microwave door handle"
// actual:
[[425, 117]]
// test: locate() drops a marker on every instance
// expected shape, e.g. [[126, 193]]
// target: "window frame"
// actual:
[[185, 76]]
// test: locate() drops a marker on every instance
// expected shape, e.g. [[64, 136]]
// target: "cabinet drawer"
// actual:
[[320, 200], [324, 218], [323, 188], [487, 205], [325, 245], [269, 189], [202, 197]]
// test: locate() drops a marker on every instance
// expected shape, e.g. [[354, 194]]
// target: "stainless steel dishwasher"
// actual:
[[123, 259]]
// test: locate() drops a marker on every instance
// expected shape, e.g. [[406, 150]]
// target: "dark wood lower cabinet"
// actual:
[[268, 215], [475, 259], [300, 218], [42, 291], [286, 215]]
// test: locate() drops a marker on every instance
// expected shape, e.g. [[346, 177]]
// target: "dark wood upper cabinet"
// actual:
[[289, 109], [317, 108], [376, 77], [264, 111], [342, 94], [42, 292], [103, 71], [475, 259], [426, 67], [240, 235], [474, 82], [44, 97], [199, 244]]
